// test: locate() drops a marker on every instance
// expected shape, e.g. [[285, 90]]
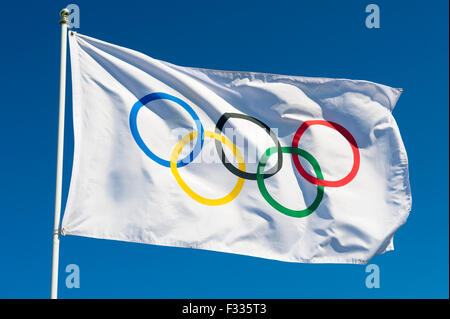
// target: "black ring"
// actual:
[[252, 176]]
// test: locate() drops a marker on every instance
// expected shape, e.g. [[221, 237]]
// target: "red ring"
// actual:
[[350, 139]]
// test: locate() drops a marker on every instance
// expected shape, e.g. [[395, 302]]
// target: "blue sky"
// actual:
[[310, 38]]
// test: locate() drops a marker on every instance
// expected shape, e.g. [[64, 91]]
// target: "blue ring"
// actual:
[[137, 137]]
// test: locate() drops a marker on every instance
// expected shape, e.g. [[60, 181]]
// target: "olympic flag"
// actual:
[[282, 167]]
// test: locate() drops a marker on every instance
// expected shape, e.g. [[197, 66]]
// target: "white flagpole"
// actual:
[[64, 13]]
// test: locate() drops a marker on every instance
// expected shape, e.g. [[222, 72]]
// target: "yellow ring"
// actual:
[[206, 201]]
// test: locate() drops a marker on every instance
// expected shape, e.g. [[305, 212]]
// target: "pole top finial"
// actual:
[[64, 13]]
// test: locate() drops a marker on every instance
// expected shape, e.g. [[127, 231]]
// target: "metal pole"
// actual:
[[64, 13]]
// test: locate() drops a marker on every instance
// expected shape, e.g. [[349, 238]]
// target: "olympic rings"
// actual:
[[319, 180], [262, 187], [137, 137], [239, 171], [252, 176], [203, 200]]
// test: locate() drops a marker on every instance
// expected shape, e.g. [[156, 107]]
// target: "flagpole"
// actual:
[[64, 13]]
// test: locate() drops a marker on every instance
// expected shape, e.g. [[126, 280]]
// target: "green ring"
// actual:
[[262, 187]]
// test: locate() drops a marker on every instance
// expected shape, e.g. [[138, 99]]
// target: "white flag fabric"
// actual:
[[290, 168]]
